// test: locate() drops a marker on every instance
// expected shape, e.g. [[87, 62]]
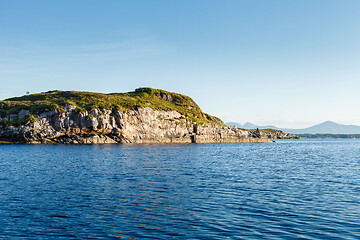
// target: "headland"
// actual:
[[144, 116]]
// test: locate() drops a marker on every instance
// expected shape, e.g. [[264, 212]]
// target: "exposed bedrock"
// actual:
[[104, 126]]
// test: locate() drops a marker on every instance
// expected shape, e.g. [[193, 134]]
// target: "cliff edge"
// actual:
[[144, 116]]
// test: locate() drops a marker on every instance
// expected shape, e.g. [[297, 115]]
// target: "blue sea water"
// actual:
[[291, 189]]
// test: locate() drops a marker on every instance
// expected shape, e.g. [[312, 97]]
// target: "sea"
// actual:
[[290, 189]]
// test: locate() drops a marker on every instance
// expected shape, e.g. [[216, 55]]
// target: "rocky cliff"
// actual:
[[143, 116]]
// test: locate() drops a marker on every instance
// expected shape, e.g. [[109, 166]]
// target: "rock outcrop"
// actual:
[[145, 115], [104, 126], [274, 134]]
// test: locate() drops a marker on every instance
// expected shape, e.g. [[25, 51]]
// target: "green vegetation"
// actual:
[[31, 118], [85, 101], [270, 131], [266, 131], [90, 116], [18, 122]]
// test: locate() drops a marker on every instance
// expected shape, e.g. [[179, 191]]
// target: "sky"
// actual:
[[285, 63]]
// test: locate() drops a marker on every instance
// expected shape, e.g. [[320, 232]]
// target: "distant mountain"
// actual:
[[327, 127], [252, 126], [249, 125], [234, 124]]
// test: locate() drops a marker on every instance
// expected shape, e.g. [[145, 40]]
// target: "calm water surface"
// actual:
[[307, 189]]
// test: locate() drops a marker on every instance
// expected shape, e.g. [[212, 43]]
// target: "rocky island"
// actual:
[[145, 115]]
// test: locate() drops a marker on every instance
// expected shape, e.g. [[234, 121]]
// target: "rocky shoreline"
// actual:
[[144, 116], [103, 126], [275, 134]]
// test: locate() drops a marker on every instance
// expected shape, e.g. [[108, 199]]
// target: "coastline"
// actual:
[[143, 143], [145, 116]]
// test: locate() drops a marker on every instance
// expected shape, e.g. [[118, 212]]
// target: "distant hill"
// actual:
[[249, 125], [327, 127]]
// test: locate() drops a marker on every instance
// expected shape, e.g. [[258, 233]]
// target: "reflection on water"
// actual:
[[284, 190]]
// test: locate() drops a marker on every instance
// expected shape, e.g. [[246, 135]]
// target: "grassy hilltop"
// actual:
[[85, 101]]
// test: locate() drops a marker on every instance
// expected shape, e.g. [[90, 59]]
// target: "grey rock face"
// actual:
[[92, 123], [13, 117], [276, 135], [48, 114], [23, 113], [69, 108], [103, 126]]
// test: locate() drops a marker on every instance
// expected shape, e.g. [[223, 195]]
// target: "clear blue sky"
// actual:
[[288, 63]]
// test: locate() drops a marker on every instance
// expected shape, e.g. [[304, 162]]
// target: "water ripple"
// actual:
[[307, 189]]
